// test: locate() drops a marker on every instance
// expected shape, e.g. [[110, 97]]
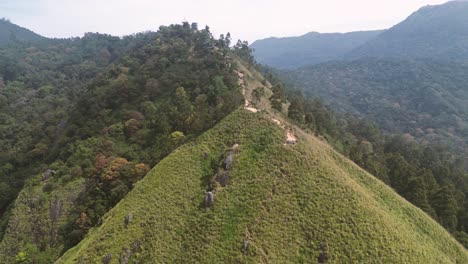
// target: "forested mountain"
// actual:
[[11, 33], [171, 146], [425, 98], [86, 118], [311, 48], [38, 85], [439, 31]]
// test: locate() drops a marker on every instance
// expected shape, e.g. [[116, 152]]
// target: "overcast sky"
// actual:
[[245, 19]]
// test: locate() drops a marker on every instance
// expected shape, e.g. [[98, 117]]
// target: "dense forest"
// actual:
[[423, 98], [39, 82]]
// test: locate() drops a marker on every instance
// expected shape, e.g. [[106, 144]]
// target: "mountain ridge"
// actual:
[[437, 31], [251, 242], [310, 48], [280, 202], [9, 33]]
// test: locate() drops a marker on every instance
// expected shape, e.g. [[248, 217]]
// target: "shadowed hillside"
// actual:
[[9, 33]]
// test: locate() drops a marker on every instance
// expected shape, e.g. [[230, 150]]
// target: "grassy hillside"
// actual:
[[283, 203], [35, 223], [311, 48]]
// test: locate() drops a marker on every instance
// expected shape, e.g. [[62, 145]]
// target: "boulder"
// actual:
[[107, 259], [209, 199], [47, 174], [223, 178], [245, 246], [128, 219], [228, 161], [125, 256]]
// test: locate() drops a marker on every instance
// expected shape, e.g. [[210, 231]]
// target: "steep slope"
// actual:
[[425, 98], [241, 193], [282, 204], [310, 48], [35, 223], [10, 32], [432, 32]]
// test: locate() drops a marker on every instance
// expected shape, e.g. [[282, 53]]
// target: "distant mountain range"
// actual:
[[10, 32], [432, 32], [438, 32], [310, 48]]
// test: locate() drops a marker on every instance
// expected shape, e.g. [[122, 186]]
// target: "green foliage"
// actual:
[[424, 98], [11, 34], [104, 109]]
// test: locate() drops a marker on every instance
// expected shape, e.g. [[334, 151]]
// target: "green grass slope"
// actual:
[[35, 221], [283, 204]]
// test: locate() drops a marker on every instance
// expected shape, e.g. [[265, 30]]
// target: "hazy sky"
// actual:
[[245, 19]]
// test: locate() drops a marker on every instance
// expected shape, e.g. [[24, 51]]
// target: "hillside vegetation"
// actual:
[[283, 203], [428, 99], [120, 106]]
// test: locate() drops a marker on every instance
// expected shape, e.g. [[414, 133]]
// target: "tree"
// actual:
[[416, 193], [277, 97], [296, 110], [446, 208], [184, 109], [227, 40]]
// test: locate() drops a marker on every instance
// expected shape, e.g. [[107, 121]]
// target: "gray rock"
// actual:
[[128, 219], [209, 199], [228, 161], [246, 245], [107, 259], [125, 256], [223, 178], [55, 209], [55, 213], [135, 245], [47, 174]]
